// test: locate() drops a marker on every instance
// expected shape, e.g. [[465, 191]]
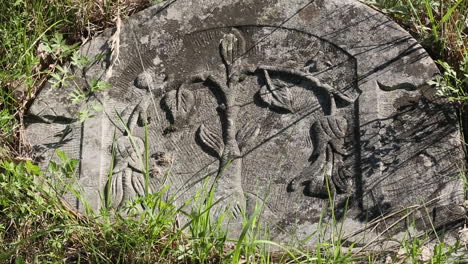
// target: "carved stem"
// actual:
[[230, 173]]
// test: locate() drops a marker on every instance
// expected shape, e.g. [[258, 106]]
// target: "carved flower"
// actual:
[[144, 80], [232, 46]]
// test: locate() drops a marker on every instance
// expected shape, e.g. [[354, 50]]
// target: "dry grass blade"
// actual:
[[412, 210], [115, 46]]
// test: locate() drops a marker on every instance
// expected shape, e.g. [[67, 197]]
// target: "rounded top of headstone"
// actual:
[[281, 103]]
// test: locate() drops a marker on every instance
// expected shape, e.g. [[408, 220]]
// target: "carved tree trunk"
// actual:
[[230, 173]]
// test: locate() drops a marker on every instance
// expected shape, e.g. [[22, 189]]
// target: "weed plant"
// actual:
[[37, 226], [36, 37]]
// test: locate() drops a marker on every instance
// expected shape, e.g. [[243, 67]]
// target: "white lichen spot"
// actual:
[[454, 141], [427, 161], [157, 61], [174, 14], [144, 39]]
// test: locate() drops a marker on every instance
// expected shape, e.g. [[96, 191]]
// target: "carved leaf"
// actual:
[[314, 177], [179, 103], [210, 140], [326, 160], [275, 95], [247, 134], [117, 189], [138, 183]]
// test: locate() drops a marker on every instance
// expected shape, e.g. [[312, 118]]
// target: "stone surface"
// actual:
[[283, 102]]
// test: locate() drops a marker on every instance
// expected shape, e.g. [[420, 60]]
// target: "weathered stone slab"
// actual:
[[284, 102]]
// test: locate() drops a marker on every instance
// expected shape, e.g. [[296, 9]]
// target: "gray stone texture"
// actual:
[[285, 102]]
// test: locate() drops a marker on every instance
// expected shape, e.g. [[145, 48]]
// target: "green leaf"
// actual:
[[97, 107], [84, 115], [62, 156], [80, 61], [53, 167], [98, 86], [61, 69], [449, 13], [70, 167], [78, 96], [31, 168], [45, 47], [55, 76], [432, 19]]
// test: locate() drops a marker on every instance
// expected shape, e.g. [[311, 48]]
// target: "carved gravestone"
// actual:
[[286, 103]]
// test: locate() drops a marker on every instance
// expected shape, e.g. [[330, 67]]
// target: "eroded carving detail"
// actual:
[[148, 85], [229, 138], [128, 180], [128, 174], [326, 173]]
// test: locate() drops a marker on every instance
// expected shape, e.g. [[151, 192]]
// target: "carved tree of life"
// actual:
[[327, 132], [229, 177], [179, 104]]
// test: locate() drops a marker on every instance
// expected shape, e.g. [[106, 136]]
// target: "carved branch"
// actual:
[[206, 76], [279, 97], [316, 82]]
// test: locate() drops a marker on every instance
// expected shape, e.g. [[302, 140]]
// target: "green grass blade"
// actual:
[[108, 195], [36, 40], [449, 13], [415, 13], [432, 19], [238, 249], [147, 158]]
